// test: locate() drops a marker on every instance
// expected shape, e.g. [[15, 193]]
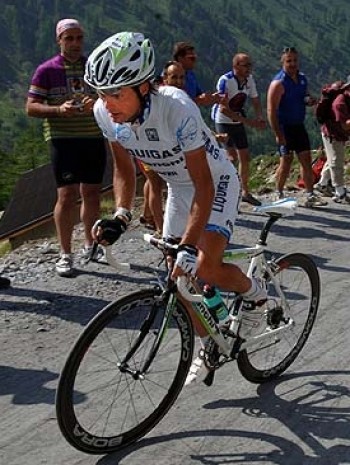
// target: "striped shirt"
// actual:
[[56, 81]]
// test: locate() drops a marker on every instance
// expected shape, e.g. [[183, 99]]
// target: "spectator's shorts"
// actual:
[[79, 160], [237, 136], [297, 139]]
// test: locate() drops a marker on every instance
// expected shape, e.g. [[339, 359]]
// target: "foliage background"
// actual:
[[318, 28]]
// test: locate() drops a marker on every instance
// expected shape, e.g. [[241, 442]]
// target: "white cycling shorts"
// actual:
[[223, 214]]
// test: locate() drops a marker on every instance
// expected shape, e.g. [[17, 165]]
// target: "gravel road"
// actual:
[[303, 418]]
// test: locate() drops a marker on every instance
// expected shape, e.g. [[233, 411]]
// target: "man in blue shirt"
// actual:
[[286, 100], [185, 53]]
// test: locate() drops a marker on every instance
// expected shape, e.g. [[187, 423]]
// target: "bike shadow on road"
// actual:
[[311, 405], [74, 308], [126, 274]]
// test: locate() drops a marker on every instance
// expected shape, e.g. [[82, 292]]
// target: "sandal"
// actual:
[[148, 223]]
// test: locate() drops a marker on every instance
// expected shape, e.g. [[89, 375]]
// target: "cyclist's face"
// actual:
[[123, 104]]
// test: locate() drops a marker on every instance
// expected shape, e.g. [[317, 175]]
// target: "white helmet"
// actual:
[[124, 59]]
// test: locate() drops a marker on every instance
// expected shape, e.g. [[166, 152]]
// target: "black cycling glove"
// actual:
[[111, 229]]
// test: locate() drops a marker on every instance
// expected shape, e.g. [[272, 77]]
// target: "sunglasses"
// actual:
[[289, 49], [109, 92]]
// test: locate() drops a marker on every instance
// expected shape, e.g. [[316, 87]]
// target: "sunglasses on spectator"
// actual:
[[245, 65]]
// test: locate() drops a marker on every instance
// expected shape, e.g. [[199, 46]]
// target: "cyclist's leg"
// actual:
[[213, 241], [178, 205]]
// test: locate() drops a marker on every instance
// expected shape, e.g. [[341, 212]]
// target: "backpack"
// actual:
[[329, 92], [317, 166]]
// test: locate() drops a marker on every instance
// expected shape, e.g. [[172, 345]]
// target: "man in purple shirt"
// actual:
[[59, 95]]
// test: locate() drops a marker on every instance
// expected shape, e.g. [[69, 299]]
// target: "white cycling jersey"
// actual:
[[237, 94], [171, 126]]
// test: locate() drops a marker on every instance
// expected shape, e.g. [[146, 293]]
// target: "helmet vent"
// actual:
[[135, 56]]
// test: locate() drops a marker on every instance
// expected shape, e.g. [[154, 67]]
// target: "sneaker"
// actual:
[[249, 198], [345, 198], [4, 283], [97, 255], [197, 372], [313, 201], [64, 266], [325, 191]]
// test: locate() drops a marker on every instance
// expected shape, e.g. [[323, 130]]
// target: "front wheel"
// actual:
[[121, 377], [297, 276]]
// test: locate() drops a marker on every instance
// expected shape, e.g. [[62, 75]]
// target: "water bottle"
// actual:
[[215, 304]]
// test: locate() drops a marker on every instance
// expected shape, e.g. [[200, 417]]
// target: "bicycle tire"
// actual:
[[101, 409], [299, 280]]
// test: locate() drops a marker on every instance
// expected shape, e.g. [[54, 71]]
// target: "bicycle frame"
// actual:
[[189, 288]]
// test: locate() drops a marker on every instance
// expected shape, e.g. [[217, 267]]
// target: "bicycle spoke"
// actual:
[[299, 281], [104, 399]]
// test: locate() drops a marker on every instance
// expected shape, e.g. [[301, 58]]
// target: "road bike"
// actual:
[[130, 363]]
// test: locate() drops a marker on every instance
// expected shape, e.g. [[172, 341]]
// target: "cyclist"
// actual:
[[164, 128]]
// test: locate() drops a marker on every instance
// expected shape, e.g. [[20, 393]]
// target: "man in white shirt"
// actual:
[[230, 117]]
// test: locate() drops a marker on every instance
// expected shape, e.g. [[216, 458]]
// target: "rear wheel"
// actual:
[[106, 398], [298, 278]]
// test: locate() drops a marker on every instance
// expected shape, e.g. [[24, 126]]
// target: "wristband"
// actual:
[[124, 212]]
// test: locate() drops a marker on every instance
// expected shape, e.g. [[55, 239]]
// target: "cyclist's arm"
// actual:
[[155, 197], [124, 176], [198, 168]]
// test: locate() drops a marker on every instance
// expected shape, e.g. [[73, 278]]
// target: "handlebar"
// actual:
[[183, 282]]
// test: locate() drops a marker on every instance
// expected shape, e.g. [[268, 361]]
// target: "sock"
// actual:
[[255, 292]]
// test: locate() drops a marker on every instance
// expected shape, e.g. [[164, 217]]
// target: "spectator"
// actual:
[[335, 134], [4, 283], [184, 53], [286, 100], [174, 74], [230, 117], [59, 95]]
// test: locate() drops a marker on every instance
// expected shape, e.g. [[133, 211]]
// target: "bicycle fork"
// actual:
[[144, 330]]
